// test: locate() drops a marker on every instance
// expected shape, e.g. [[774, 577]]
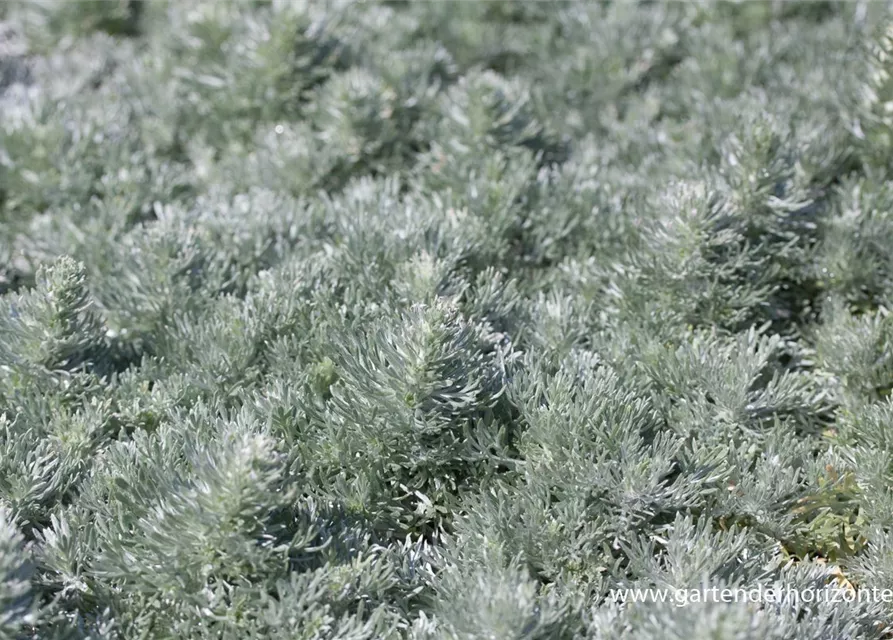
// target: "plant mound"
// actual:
[[445, 319]]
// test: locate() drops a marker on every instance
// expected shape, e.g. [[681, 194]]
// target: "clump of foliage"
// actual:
[[443, 319]]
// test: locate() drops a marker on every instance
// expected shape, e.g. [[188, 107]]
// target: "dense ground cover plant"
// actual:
[[443, 319]]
